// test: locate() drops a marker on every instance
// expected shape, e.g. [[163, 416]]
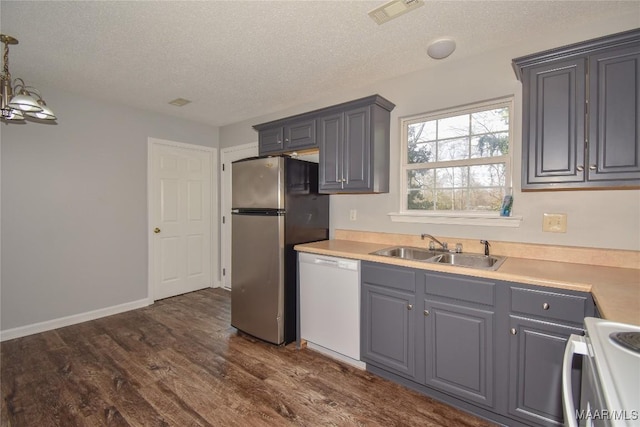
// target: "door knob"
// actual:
[[156, 230]]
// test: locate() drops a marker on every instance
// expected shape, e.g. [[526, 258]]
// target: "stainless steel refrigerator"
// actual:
[[275, 205]]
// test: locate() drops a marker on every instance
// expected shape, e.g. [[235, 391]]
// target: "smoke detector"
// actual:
[[393, 9]]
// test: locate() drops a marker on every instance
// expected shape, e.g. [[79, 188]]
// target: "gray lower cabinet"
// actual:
[[388, 316], [489, 347], [458, 325], [536, 349], [540, 323], [581, 105]]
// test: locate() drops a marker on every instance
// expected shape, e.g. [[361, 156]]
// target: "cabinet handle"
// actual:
[[545, 306], [593, 167], [513, 331], [286, 140], [580, 168], [426, 312], [279, 142], [409, 306]]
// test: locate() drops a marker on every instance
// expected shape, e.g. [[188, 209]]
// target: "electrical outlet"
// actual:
[[554, 223], [353, 215]]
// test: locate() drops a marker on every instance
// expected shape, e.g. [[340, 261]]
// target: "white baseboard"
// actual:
[[335, 355], [61, 322]]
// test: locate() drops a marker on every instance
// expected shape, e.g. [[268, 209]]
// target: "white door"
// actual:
[[227, 156], [180, 216]]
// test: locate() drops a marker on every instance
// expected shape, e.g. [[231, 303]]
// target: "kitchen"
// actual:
[[47, 171]]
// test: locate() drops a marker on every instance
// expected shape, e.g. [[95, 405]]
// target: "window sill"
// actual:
[[457, 218]]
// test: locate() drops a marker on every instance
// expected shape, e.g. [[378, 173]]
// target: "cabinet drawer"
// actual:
[[552, 305], [460, 288], [389, 277]]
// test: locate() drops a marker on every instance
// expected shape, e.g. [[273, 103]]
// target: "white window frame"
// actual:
[[449, 216]]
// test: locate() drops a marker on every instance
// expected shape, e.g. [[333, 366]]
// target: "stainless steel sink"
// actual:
[[485, 262], [406, 252], [479, 261]]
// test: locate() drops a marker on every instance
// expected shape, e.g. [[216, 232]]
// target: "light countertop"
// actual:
[[616, 291]]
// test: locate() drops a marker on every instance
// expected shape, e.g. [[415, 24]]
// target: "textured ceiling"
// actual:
[[242, 59]]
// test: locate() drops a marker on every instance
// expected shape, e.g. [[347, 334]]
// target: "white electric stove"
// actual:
[[610, 390]]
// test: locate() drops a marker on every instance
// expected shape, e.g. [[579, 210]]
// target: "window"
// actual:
[[457, 160]]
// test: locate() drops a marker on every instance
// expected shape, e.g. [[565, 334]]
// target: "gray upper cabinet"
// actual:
[[581, 105], [354, 147], [292, 136]]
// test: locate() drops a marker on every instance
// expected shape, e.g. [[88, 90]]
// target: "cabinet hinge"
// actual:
[[223, 219], [223, 167], [224, 271]]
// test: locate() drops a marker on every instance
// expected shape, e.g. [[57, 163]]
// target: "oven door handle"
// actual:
[[575, 345]]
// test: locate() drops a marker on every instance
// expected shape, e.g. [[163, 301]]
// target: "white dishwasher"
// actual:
[[330, 306]]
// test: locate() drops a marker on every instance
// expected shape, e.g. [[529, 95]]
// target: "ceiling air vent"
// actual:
[[393, 9]]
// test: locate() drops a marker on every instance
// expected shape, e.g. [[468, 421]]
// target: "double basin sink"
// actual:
[[482, 262]]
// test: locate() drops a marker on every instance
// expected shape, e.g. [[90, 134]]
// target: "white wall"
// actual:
[[606, 219], [74, 207]]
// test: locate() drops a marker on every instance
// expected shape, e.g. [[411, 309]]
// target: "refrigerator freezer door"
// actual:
[[258, 183], [257, 294]]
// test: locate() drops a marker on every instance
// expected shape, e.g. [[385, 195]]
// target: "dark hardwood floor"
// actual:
[[180, 363]]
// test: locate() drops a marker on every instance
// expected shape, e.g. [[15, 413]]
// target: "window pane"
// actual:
[[423, 131], [490, 121], [486, 199], [453, 149], [452, 127], [421, 200], [420, 179], [492, 175], [423, 152], [452, 177], [489, 145]]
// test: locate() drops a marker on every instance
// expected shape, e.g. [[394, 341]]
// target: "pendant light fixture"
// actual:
[[18, 99]]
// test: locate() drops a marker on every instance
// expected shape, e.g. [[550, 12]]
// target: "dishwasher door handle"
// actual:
[[327, 262]]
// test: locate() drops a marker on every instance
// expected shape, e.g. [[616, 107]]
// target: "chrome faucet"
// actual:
[[486, 246], [444, 245]]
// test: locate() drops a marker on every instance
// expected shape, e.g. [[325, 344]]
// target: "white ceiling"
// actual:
[[242, 59]]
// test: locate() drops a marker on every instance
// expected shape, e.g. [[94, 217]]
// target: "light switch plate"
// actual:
[[554, 223]]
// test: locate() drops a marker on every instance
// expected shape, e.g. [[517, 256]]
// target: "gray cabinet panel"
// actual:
[[389, 276], [535, 370], [551, 305], [459, 351], [388, 329], [614, 134], [357, 150], [300, 135], [460, 287], [331, 137], [270, 140], [555, 124]]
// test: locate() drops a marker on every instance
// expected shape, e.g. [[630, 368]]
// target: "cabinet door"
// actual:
[[270, 140], [553, 125], [357, 150], [300, 135], [614, 108], [459, 351], [387, 336], [330, 141], [536, 350]]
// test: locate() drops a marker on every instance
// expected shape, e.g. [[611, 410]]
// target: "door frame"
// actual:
[[225, 199], [213, 160]]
